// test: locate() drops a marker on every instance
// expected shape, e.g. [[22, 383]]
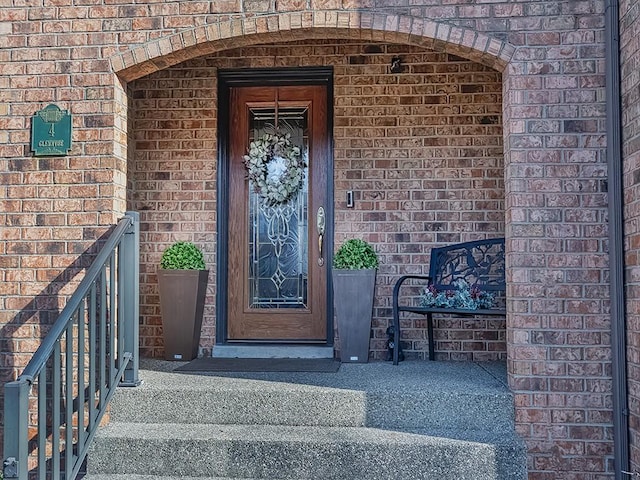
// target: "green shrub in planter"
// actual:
[[182, 285], [354, 278], [355, 254], [182, 256]]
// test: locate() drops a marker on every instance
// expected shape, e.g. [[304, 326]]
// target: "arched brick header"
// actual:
[[439, 36]]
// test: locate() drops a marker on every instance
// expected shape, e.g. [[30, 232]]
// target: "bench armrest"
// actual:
[[396, 315], [404, 278]]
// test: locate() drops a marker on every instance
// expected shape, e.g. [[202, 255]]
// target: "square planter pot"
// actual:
[[182, 296], [353, 292]]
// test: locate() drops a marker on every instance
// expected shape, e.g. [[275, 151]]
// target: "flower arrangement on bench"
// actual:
[[462, 297]]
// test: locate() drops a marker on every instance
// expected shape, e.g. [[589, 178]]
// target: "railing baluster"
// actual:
[[113, 314], [85, 350], [122, 266], [81, 373], [42, 423], [68, 418], [56, 385], [93, 342], [103, 341]]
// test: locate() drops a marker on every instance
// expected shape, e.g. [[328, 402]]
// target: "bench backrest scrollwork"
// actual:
[[479, 263]]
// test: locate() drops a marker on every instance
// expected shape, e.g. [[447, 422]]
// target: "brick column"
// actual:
[[558, 325]]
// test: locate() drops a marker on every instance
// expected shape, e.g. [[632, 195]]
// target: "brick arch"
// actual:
[[159, 54]]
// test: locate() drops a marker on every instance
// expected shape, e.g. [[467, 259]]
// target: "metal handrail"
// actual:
[[90, 350]]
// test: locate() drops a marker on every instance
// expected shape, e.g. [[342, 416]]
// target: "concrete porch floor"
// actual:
[[372, 376]]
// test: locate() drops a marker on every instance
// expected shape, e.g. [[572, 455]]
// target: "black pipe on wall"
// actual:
[[616, 242]]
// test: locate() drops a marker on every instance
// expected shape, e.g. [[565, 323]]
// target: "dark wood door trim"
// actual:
[[259, 77]]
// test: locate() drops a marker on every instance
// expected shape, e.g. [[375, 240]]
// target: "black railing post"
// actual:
[[16, 427], [131, 302]]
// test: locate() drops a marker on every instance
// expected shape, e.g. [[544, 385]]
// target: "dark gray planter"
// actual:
[[182, 296], [353, 299]]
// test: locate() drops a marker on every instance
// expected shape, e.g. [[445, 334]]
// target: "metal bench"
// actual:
[[479, 263]]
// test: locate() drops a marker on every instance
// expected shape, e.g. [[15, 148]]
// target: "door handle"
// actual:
[[321, 221]]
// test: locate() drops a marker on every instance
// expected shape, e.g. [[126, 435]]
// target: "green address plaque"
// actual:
[[51, 131]]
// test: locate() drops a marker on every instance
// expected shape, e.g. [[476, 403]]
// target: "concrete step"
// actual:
[[418, 420], [276, 451], [271, 351], [414, 394]]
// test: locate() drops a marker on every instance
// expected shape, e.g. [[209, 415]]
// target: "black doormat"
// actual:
[[323, 365]]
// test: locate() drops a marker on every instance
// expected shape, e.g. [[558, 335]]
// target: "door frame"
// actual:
[[265, 77]]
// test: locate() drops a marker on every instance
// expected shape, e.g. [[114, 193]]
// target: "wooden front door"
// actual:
[[277, 273]]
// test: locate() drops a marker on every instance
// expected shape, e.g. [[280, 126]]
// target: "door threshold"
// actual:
[[271, 351]]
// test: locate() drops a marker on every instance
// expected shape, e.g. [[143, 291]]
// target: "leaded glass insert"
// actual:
[[278, 238]]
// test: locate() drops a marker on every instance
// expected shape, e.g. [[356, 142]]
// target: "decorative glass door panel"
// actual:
[[276, 274], [278, 237]]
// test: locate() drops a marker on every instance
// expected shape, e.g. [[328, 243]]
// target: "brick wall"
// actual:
[[630, 55], [173, 171], [558, 343], [422, 150], [551, 56]]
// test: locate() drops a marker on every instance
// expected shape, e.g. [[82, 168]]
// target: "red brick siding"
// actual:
[[173, 174], [422, 150]]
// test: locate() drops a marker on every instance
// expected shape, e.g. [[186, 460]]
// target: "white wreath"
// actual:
[[275, 167]]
